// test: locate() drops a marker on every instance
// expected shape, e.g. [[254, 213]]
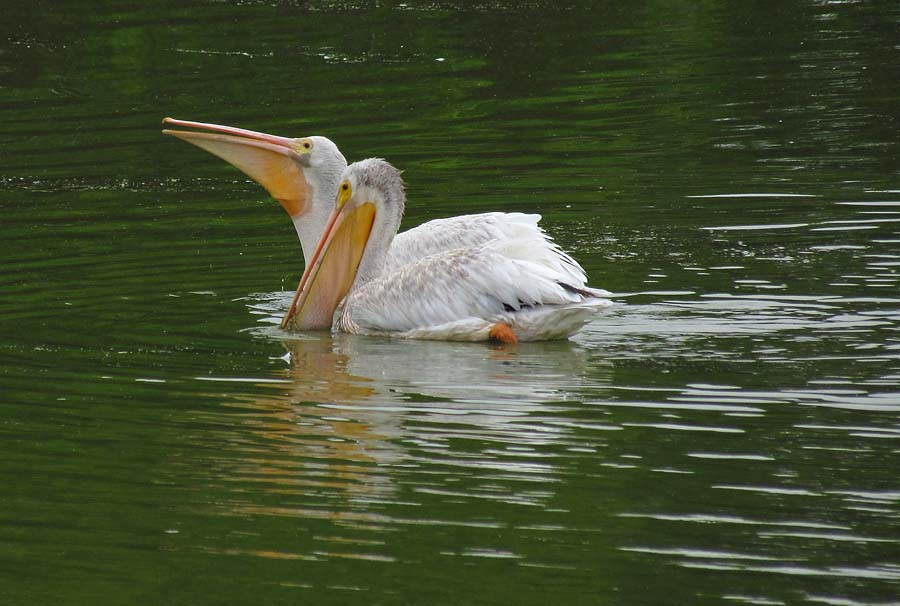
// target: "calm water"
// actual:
[[728, 434]]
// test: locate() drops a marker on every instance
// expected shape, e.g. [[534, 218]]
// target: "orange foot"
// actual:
[[503, 333]]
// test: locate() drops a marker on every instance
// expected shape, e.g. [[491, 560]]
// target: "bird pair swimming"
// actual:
[[467, 278]]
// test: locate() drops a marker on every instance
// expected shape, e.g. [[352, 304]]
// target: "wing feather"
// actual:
[[525, 275], [465, 231]]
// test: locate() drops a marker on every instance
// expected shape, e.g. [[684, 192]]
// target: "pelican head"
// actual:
[[354, 244], [302, 174]]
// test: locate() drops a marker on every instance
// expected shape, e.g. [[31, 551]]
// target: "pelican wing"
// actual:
[[465, 231], [527, 282]]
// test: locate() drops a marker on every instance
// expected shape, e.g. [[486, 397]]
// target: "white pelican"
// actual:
[[302, 174], [518, 289]]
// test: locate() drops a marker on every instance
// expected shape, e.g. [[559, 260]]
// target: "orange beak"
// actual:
[[332, 269], [272, 161]]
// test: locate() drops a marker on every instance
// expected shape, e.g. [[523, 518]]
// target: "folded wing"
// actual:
[[525, 281]]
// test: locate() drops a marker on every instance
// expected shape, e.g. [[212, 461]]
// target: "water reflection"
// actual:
[[359, 438], [347, 414]]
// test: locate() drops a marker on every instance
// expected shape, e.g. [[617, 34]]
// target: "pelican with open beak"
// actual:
[[521, 288], [302, 174]]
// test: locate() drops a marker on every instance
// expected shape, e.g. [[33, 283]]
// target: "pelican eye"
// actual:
[[307, 145], [344, 193]]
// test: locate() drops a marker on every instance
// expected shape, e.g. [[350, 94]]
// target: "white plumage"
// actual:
[[526, 283], [464, 231], [520, 278]]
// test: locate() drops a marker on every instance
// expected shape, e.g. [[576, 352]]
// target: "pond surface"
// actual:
[[728, 433]]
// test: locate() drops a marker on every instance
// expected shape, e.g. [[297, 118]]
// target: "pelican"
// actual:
[[519, 289], [303, 174]]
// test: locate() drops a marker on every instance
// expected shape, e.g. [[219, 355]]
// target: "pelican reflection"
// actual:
[[347, 416]]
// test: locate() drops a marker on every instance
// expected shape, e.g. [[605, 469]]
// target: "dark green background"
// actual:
[[727, 434]]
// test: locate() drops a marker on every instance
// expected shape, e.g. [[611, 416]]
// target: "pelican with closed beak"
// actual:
[[522, 288]]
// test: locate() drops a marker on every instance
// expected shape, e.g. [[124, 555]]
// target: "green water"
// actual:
[[728, 434]]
